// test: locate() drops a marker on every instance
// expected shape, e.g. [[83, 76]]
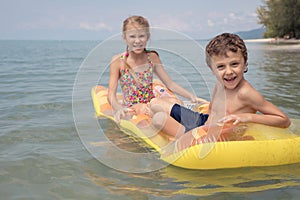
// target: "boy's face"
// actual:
[[229, 69]]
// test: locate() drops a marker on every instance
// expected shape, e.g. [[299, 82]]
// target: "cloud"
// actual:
[[234, 16], [94, 26], [178, 23], [254, 14], [231, 21], [210, 23]]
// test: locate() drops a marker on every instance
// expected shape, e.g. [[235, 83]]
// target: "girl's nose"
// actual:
[[137, 39]]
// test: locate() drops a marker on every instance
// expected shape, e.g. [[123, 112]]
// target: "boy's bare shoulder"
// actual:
[[248, 92]]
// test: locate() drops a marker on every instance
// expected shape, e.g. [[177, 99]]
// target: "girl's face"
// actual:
[[136, 38], [229, 69]]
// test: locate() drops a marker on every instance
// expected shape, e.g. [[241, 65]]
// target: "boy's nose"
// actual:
[[228, 70]]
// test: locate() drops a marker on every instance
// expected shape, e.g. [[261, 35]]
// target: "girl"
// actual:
[[134, 69]]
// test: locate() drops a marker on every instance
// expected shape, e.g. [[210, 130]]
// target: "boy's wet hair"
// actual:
[[223, 43]]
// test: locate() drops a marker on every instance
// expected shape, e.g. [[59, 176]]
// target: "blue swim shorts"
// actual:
[[188, 118]]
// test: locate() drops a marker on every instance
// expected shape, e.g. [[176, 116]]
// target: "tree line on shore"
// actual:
[[281, 18]]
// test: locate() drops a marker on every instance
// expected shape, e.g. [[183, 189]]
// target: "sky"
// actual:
[[101, 19]]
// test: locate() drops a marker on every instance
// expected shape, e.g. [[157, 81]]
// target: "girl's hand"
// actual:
[[198, 100], [122, 112], [119, 114]]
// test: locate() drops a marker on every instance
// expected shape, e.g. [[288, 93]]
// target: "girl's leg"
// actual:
[[162, 105], [161, 119], [167, 125], [139, 108]]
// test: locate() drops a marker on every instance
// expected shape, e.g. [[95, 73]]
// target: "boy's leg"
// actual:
[[188, 118]]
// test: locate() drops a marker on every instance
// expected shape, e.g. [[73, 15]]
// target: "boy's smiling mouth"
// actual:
[[230, 79]]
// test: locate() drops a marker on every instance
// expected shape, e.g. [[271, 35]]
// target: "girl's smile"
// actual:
[[136, 38]]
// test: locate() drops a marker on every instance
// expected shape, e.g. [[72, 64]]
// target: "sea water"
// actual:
[[42, 152]]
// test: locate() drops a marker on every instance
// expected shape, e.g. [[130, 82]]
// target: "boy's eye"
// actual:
[[235, 64], [220, 67]]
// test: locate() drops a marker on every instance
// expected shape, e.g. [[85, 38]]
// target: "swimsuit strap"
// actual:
[[122, 57], [126, 54], [148, 53]]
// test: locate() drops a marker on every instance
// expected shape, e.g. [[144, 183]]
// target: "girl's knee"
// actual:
[[157, 105], [159, 119]]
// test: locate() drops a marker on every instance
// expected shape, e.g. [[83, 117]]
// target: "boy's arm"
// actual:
[[271, 114]]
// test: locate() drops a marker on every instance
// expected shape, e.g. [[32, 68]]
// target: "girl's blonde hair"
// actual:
[[138, 20], [141, 22]]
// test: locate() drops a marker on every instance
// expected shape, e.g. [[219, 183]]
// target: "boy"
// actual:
[[233, 101]]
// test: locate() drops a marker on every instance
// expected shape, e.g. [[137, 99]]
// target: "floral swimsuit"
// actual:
[[136, 89]]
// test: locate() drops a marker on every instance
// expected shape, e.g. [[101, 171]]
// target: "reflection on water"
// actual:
[[174, 181], [275, 72], [134, 186], [242, 180]]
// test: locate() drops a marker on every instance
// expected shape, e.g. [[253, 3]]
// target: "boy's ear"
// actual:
[[246, 68]]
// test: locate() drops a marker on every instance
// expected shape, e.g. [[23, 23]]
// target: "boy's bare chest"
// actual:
[[235, 105]]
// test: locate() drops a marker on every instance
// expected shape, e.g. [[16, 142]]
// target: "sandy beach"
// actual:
[[279, 43], [267, 40], [275, 41]]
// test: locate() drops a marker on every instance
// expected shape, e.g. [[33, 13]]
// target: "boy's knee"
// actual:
[[159, 119]]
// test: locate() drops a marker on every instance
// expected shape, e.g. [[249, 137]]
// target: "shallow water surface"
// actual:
[[43, 156]]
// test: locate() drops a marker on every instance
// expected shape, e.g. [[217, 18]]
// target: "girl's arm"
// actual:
[[170, 84], [114, 75]]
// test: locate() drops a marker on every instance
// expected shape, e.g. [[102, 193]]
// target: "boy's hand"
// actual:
[[231, 118]]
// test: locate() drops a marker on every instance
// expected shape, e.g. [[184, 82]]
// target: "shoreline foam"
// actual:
[[290, 45], [274, 41]]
